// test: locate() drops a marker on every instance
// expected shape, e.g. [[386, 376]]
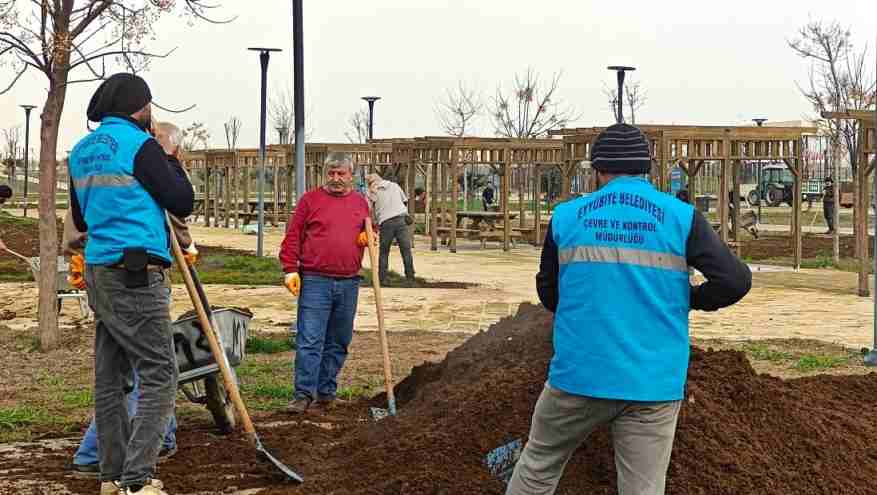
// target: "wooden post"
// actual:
[[861, 220], [523, 178], [236, 173], [207, 179], [796, 207], [443, 192], [217, 178], [227, 201], [506, 224], [246, 179], [723, 195], [276, 193], [735, 221], [433, 206], [537, 209], [412, 202], [455, 192]]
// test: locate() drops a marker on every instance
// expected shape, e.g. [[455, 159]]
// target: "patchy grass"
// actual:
[[394, 279], [761, 352], [22, 416], [361, 389], [237, 270], [81, 398], [260, 345], [811, 363]]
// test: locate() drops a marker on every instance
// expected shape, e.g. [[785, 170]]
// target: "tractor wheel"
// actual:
[[753, 198], [219, 404], [774, 196]]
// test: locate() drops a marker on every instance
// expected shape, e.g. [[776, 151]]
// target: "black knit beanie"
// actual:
[[621, 149], [122, 93]]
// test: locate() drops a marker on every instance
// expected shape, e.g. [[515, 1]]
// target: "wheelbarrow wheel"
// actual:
[[219, 404]]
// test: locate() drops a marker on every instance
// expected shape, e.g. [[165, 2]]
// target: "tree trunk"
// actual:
[[48, 287]]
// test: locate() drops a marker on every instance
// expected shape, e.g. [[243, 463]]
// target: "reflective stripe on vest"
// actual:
[[614, 254]]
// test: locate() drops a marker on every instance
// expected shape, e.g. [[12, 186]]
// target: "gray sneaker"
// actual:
[[113, 488], [298, 406], [153, 487]]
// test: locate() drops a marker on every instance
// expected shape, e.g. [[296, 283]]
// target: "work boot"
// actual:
[[166, 453], [325, 403], [298, 406], [113, 488], [152, 487], [85, 470]]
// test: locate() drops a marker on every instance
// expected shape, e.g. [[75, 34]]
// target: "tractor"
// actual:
[[777, 185]]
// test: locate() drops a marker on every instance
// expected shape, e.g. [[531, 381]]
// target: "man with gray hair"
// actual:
[[321, 257], [389, 207]]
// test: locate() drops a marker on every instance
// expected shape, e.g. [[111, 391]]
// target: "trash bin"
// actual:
[[702, 203]]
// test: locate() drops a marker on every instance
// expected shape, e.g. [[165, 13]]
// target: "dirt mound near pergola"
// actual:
[[738, 433]]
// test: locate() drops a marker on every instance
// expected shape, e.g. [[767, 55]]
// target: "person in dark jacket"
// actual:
[[122, 183], [487, 197], [5, 193], [614, 271], [828, 192]]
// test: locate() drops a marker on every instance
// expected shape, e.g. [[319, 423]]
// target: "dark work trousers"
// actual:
[[828, 211], [133, 333], [396, 228]]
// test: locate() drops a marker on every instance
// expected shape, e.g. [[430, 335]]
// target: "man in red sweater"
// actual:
[[321, 257]]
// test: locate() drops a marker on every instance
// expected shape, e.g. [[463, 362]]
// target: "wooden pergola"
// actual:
[[442, 160], [226, 181], [868, 147], [690, 147]]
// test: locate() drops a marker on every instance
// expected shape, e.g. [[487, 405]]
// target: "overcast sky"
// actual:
[[701, 62]]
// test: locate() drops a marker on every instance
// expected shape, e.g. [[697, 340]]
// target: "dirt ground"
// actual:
[[738, 432], [818, 309]]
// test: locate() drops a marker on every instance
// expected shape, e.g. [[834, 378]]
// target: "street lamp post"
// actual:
[[264, 57], [619, 71], [27, 110], [371, 114], [759, 122], [298, 89]]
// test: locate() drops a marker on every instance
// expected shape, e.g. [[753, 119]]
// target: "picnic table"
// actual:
[[489, 218]]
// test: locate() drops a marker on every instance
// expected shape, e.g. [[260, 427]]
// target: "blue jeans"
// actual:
[[88, 453], [326, 310]]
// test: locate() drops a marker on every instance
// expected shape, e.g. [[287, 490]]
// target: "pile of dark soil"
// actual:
[[738, 433], [814, 246]]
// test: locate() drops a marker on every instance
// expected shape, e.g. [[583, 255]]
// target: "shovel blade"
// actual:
[[264, 454], [378, 414]]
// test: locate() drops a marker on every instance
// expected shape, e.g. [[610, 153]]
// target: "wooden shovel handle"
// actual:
[[376, 283], [219, 356]]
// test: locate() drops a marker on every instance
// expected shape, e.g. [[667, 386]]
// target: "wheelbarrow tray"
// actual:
[[194, 359]]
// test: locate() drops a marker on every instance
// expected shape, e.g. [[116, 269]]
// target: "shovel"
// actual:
[[199, 301], [35, 267], [378, 413]]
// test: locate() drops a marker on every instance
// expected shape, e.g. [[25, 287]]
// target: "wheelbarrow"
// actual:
[[199, 375], [64, 289]]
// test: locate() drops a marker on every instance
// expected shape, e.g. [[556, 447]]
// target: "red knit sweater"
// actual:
[[321, 235]]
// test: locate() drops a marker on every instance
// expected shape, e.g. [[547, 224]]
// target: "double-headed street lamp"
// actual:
[[27, 110]]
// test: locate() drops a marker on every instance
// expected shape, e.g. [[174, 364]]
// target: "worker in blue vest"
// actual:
[[122, 184], [614, 271]]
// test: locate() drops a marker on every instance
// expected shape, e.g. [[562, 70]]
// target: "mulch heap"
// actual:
[[738, 432]]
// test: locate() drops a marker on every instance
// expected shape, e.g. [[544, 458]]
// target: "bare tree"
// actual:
[[194, 136], [281, 114], [457, 109], [634, 98], [11, 149], [232, 131], [840, 79], [358, 127], [59, 39], [530, 110]]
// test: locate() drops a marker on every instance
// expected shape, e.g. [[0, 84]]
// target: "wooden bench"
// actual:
[[498, 235], [445, 234]]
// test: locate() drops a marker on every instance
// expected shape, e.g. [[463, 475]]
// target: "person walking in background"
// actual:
[[487, 197], [828, 192], [388, 204]]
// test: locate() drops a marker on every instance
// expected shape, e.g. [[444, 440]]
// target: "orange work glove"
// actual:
[[76, 277], [190, 254], [292, 281], [362, 239]]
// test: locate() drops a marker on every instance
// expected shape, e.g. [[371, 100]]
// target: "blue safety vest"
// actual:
[[621, 326], [119, 212]]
